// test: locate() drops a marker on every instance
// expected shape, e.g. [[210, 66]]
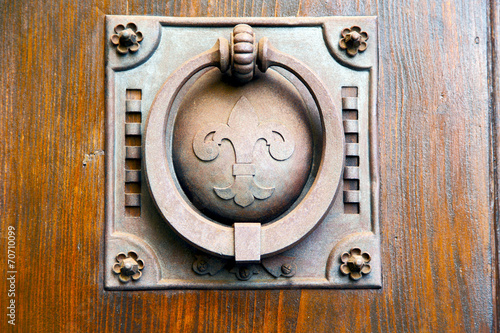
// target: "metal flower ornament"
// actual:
[[355, 263], [128, 266], [353, 40], [126, 38]]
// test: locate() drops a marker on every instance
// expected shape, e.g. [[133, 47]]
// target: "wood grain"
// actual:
[[437, 212], [495, 139]]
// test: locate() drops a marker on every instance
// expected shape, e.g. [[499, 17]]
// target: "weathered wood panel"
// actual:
[[495, 138], [436, 189]]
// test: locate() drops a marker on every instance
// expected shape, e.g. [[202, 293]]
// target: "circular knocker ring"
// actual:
[[201, 231]]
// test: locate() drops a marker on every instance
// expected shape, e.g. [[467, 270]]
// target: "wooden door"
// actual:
[[437, 114]]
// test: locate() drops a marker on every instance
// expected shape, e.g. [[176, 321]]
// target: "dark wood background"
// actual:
[[438, 113]]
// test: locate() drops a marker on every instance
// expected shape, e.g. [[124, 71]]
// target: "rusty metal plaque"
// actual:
[[241, 153]]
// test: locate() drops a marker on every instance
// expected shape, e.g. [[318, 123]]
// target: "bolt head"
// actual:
[[286, 269], [359, 262], [129, 267], [356, 263], [202, 265], [244, 272], [127, 37], [355, 36]]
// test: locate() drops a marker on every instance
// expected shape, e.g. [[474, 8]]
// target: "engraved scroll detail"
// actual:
[[243, 130]]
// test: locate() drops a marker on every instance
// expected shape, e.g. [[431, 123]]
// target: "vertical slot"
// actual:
[[133, 142], [351, 130]]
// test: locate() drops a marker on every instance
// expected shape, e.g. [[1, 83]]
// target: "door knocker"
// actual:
[[248, 164]]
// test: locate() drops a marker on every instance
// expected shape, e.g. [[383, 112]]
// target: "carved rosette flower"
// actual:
[[128, 266], [353, 40], [126, 38], [355, 263]]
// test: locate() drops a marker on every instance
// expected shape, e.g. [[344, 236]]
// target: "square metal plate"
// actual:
[[133, 222]]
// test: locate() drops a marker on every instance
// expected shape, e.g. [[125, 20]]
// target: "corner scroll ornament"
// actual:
[[243, 130]]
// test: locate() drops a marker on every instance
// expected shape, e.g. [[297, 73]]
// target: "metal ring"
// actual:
[[216, 238]]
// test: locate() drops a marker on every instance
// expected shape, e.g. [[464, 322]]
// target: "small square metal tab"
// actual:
[[247, 242]]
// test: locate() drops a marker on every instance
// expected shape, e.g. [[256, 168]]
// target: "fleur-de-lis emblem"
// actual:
[[243, 130]]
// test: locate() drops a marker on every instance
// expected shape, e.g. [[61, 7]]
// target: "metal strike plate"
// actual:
[[241, 153]]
